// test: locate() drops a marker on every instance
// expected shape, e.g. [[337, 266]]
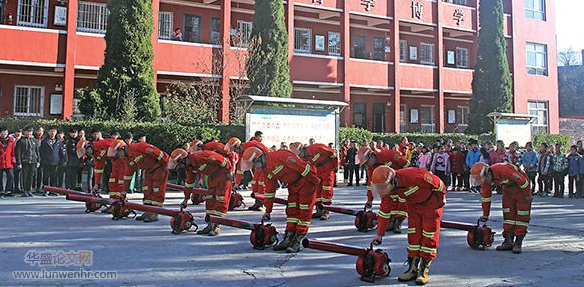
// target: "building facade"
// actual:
[[402, 66]]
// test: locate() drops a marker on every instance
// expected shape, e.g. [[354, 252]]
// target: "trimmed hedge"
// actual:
[[165, 135]]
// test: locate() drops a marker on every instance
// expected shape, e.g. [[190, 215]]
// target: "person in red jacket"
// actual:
[[517, 199], [219, 170], [7, 161], [425, 195], [395, 160], [153, 162], [284, 166], [457, 161], [258, 179], [326, 162]]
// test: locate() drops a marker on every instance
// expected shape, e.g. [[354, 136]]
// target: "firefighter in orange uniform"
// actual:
[[517, 200], [154, 162], [218, 169], [395, 160], [326, 162], [258, 178], [98, 149], [286, 167], [425, 195]]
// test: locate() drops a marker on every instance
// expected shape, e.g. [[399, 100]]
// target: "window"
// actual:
[[243, 33], [302, 40], [427, 119], [539, 109], [379, 117], [378, 49], [359, 50], [403, 51], [462, 116], [28, 101], [359, 115], [427, 53], [92, 17], [334, 43], [165, 25], [459, 2], [536, 59], [535, 9], [2, 9], [216, 30], [402, 118], [192, 28], [33, 13], [462, 58]]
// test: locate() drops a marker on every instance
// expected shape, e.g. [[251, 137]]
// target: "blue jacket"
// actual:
[[51, 154], [529, 158], [472, 157], [574, 164]]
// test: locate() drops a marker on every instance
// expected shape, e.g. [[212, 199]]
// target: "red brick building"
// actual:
[[401, 65]]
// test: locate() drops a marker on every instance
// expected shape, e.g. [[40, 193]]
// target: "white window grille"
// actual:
[[302, 40], [243, 33], [92, 17], [462, 58], [536, 59], [334, 43], [539, 109], [165, 25], [28, 101], [33, 13], [427, 53], [403, 50], [462, 115]]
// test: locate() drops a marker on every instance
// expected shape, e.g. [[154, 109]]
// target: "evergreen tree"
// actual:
[[491, 84], [267, 64], [125, 82]]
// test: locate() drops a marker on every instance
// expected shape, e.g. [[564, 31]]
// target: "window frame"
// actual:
[[339, 48], [536, 70], [379, 54], [170, 16], [423, 53], [432, 124], [244, 36], [534, 13], [462, 115], [97, 27], [302, 50], [29, 89], [535, 126], [212, 39], [466, 63], [403, 51], [364, 113], [45, 16], [187, 32]]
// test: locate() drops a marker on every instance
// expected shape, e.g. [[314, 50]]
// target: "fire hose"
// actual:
[[370, 263], [89, 207], [197, 194], [116, 206], [180, 220], [365, 220], [262, 235], [478, 237]]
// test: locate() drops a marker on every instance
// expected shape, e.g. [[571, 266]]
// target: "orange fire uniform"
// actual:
[[517, 197], [258, 184], [218, 168], [286, 167], [425, 195], [154, 162], [99, 158], [395, 160], [326, 162]]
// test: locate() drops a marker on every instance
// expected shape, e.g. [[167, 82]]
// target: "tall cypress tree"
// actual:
[[267, 64], [126, 80], [491, 84]]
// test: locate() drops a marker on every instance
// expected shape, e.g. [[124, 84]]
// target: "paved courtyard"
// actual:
[[148, 254]]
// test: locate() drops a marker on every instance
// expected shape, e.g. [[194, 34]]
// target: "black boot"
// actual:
[[285, 243], [207, 229], [517, 244], [325, 215], [257, 206], [423, 276], [398, 225], [296, 244], [317, 211], [391, 225], [507, 244], [412, 271]]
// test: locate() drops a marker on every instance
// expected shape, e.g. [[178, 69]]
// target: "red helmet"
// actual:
[[196, 145], [175, 156], [363, 154], [115, 147], [232, 143]]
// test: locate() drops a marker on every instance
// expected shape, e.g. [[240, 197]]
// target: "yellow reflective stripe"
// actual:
[[525, 185], [121, 181], [411, 190], [411, 230], [292, 220], [239, 171], [428, 234], [440, 187], [156, 189], [306, 170], [384, 215], [413, 247], [190, 184], [202, 167], [102, 153], [277, 169], [315, 157], [98, 171], [261, 183], [270, 195], [389, 164], [220, 198], [303, 223], [325, 199], [112, 180], [407, 164], [506, 209], [394, 196], [523, 223], [487, 199], [161, 155], [304, 206], [220, 214], [253, 182], [326, 187], [523, 212], [291, 204], [208, 196], [115, 193], [404, 213], [145, 201], [138, 158], [129, 177], [505, 181], [269, 176], [512, 222], [428, 250], [224, 163]]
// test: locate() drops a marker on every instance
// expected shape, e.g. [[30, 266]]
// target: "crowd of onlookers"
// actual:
[[547, 168], [31, 159]]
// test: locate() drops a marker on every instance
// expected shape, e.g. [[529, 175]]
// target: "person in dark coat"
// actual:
[[27, 159], [52, 154], [73, 162]]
